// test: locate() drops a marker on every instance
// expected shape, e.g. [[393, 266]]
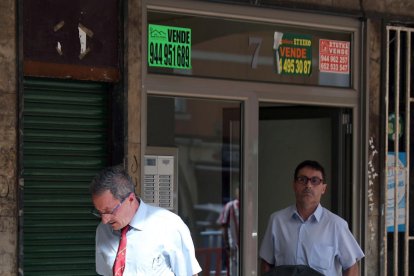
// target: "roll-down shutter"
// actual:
[[65, 138]]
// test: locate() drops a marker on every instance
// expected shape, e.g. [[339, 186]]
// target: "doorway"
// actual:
[[211, 175], [290, 134]]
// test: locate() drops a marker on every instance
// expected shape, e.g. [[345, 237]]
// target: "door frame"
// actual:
[[244, 92], [213, 89], [250, 94]]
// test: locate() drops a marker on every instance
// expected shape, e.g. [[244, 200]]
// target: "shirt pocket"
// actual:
[[153, 265], [322, 257]]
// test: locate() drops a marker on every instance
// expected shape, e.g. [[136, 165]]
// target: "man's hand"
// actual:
[[266, 266]]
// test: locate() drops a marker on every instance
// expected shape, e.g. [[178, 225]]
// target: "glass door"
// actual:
[[206, 133]]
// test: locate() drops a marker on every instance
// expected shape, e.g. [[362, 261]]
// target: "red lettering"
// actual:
[[293, 52]]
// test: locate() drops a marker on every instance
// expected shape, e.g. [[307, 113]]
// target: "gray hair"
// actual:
[[115, 179]]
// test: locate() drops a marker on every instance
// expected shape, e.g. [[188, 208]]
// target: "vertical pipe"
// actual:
[[386, 148], [407, 146]]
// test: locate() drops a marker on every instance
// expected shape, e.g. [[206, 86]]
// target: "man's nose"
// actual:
[[105, 218], [308, 183]]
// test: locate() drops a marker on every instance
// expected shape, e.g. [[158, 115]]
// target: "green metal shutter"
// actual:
[[65, 138]]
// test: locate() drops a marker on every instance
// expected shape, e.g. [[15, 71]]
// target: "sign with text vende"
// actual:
[[293, 53], [169, 46], [334, 56]]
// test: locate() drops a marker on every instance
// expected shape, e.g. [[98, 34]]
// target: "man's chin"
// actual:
[[115, 226]]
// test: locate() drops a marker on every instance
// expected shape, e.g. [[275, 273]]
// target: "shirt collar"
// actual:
[[138, 221], [316, 215]]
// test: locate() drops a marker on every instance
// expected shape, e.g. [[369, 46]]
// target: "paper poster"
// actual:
[[292, 53], [401, 198], [169, 47], [334, 56]]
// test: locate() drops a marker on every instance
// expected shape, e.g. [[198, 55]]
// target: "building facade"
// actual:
[[203, 102]]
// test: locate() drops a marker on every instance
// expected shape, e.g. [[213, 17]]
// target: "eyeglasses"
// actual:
[[314, 180], [98, 214]]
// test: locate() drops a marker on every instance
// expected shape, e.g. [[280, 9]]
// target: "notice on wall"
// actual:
[[334, 56], [396, 172], [292, 53], [169, 47]]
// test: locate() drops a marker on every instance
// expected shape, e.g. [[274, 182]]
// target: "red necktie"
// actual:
[[119, 264]]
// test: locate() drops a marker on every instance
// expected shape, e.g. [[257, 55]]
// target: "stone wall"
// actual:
[[8, 140]]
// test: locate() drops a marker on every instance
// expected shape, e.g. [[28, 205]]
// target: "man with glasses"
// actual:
[[307, 234], [134, 238]]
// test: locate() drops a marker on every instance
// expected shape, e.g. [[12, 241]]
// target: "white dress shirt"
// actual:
[[158, 243]]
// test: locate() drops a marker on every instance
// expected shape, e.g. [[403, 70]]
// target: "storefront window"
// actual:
[[181, 44]]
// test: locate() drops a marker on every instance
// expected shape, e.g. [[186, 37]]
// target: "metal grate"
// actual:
[[398, 101]]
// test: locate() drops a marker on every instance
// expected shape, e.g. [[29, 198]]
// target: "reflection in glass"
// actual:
[[207, 136], [245, 50]]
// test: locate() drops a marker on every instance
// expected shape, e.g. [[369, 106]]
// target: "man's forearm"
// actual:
[[352, 271]]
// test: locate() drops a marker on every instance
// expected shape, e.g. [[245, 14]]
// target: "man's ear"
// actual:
[[325, 188], [131, 197]]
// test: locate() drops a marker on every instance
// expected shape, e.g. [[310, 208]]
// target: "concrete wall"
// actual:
[[372, 200], [8, 140], [133, 84], [389, 7]]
